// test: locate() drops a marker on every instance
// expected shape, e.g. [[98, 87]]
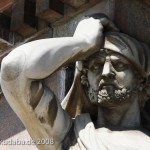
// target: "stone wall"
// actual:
[[133, 18]]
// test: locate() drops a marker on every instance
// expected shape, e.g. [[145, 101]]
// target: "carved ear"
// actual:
[[144, 92], [142, 83], [83, 71]]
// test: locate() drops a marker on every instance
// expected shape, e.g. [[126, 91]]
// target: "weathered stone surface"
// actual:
[[25, 30], [50, 15], [17, 16], [4, 45], [4, 5], [133, 18], [75, 3], [41, 6]]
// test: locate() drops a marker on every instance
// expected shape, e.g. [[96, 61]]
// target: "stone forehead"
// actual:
[[130, 48], [104, 53]]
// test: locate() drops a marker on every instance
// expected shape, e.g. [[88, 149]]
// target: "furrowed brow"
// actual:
[[119, 59]]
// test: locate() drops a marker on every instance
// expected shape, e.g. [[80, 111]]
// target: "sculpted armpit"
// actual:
[[37, 91], [47, 109]]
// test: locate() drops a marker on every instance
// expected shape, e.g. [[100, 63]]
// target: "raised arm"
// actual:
[[24, 68], [48, 55], [51, 54], [33, 102]]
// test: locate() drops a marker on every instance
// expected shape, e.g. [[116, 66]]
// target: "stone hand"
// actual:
[[91, 29]]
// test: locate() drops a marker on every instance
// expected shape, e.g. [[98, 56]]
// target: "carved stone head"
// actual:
[[113, 75], [117, 72]]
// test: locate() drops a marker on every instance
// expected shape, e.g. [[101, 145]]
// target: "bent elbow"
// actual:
[[11, 66]]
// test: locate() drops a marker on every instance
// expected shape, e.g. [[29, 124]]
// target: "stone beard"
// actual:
[[108, 93]]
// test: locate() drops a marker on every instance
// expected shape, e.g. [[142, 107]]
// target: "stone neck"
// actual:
[[123, 116]]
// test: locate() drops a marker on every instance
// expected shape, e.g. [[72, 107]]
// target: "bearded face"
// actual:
[[111, 78]]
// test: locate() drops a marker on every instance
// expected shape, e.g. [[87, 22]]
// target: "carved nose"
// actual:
[[107, 71]]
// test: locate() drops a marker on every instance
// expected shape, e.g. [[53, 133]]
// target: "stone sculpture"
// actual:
[[103, 108]]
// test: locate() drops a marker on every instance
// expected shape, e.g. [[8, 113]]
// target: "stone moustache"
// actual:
[[103, 108]]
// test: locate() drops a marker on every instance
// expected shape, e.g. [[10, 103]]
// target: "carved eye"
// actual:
[[120, 66], [96, 67]]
